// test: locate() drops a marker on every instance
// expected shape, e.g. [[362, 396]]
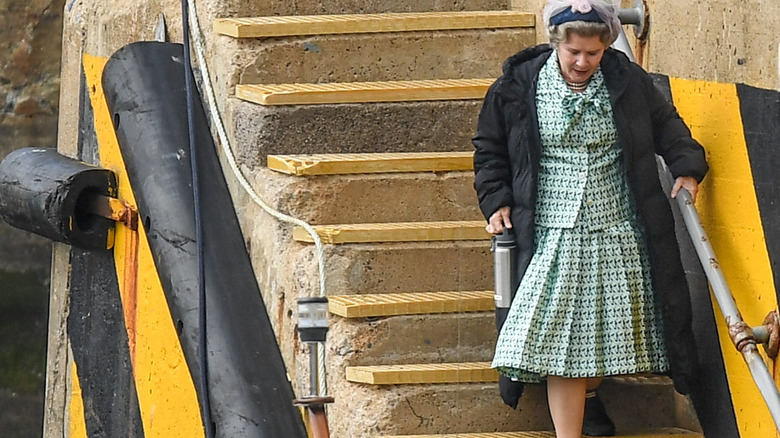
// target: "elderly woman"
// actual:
[[565, 155]]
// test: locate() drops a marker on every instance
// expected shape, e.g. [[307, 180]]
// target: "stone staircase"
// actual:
[[366, 136]]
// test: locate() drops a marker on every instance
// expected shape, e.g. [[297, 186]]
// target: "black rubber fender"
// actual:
[[44, 192], [250, 395]]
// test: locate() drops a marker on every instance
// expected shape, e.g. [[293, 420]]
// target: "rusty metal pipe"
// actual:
[[318, 422], [316, 418], [741, 334], [638, 17], [761, 334]]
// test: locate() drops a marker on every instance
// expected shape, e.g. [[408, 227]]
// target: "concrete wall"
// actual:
[[30, 44], [717, 40], [713, 40]]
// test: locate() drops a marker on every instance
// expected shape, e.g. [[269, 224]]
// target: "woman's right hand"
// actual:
[[499, 220]]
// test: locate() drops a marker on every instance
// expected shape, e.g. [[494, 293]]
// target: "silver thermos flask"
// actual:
[[504, 250]]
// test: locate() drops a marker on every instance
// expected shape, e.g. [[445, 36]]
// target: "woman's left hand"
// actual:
[[688, 183]]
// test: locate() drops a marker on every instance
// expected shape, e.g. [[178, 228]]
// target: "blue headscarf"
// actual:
[[569, 15]]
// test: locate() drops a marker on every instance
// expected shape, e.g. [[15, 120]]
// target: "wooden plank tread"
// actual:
[[466, 372], [341, 164], [299, 25], [411, 303], [364, 92], [396, 232], [459, 372], [670, 432]]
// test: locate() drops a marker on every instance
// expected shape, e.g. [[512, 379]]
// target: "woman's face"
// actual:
[[579, 57]]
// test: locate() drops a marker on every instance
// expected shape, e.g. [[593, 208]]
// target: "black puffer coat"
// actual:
[[506, 166]]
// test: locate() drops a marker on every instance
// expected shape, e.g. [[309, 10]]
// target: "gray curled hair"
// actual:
[[606, 9]]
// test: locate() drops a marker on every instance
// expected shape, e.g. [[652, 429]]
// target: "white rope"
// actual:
[[228, 151]]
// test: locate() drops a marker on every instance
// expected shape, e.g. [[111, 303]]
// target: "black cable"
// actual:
[[202, 332]]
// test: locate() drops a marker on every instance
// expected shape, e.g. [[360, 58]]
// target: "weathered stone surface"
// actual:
[[29, 72], [461, 337], [343, 199], [57, 351], [640, 403], [419, 409], [238, 8], [377, 57], [364, 268], [721, 40], [29, 89], [533, 7], [409, 267], [375, 127]]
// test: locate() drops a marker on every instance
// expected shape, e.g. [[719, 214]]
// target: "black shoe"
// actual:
[[596, 421]]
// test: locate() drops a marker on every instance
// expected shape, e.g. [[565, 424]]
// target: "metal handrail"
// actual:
[[742, 335]]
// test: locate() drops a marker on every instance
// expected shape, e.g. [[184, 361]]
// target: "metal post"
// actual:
[[313, 329], [638, 17], [633, 16], [640, 20], [314, 377], [741, 334], [621, 43]]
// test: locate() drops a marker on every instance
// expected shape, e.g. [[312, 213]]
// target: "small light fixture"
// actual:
[[312, 330], [313, 319]]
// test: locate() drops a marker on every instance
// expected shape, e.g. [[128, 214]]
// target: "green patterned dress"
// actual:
[[585, 306]]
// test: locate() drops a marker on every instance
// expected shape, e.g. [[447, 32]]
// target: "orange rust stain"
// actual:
[[640, 48], [130, 289]]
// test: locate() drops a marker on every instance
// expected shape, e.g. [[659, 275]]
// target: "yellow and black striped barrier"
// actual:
[[133, 323], [739, 127]]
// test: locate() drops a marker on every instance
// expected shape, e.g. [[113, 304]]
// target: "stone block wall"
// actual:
[[30, 46]]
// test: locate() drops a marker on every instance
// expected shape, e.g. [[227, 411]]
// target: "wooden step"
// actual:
[[466, 372], [396, 232], [342, 164], [361, 306], [364, 92], [274, 26], [658, 433], [463, 372]]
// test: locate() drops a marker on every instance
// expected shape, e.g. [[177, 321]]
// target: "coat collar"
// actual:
[[520, 72], [617, 72]]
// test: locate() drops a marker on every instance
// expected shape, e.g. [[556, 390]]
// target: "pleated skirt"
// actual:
[[585, 308]]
